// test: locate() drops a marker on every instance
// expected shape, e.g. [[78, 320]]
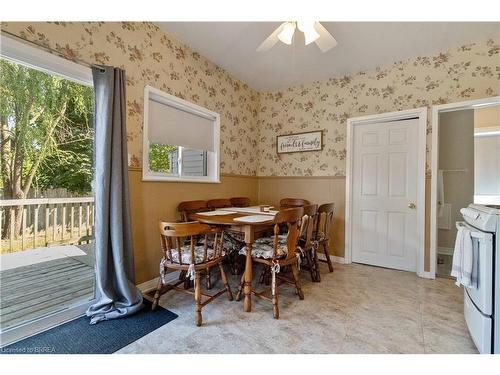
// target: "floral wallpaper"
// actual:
[[469, 72], [150, 57], [251, 120]]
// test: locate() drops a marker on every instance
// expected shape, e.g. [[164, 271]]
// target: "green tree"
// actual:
[[71, 166], [159, 157], [45, 125]]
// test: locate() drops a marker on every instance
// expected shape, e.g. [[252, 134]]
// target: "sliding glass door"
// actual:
[[46, 200]]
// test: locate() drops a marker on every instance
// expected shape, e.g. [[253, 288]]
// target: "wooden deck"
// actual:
[[32, 291]]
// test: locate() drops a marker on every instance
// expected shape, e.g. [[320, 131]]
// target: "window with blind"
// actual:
[[181, 139], [487, 165]]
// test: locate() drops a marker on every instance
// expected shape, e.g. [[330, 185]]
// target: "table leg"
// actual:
[[248, 279]]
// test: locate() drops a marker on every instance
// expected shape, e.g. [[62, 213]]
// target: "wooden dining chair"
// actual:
[[277, 252], [293, 202], [191, 258], [231, 242], [187, 208], [240, 202], [218, 203], [322, 231], [307, 246]]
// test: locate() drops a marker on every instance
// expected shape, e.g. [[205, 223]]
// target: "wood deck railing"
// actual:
[[46, 221]]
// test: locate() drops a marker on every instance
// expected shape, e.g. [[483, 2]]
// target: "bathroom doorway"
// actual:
[[455, 180], [465, 170]]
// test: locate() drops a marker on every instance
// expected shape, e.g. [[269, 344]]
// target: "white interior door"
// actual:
[[384, 188]]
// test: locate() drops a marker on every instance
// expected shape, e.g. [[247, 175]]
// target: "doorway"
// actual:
[[465, 169], [385, 190]]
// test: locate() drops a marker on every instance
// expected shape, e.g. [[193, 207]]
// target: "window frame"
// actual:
[[484, 132], [36, 58], [213, 158]]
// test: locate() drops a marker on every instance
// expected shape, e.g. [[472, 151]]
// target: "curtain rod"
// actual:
[[50, 50]]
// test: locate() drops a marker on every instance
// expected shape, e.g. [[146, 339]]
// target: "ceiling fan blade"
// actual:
[[325, 41], [271, 40]]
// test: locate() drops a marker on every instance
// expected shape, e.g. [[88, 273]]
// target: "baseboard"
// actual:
[[426, 275], [150, 285], [337, 259], [333, 258], [445, 250]]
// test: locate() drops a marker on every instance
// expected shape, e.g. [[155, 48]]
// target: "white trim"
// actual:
[[487, 131], [36, 58], [213, 162], [337, 259], [150, 285], [192, 179], [427, 275], [470, 104], [333, 258], [421, 113]]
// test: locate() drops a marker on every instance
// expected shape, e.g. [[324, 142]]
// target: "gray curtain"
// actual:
[[116, 293]]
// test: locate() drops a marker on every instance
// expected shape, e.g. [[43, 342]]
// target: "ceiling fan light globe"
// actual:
[[310, 35], [286, 35]]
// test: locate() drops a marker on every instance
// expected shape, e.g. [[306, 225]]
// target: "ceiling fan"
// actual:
[[313, 32]]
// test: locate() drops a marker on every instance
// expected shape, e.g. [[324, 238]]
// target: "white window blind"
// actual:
[[181, 140], [171, 125]]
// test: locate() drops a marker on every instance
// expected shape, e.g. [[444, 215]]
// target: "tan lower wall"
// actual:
[[154, 201], [327, 189], [315, 189]]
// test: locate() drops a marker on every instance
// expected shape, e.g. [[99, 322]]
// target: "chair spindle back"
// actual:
[[240, 202], [174, 237], [293, 203], [190, 207], [308, 224], [219, 203], [324, 219], [292, 217]]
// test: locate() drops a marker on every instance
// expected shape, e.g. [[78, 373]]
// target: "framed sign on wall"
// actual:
[[299, 142]]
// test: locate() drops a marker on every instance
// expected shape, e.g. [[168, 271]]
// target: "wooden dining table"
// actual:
[[249, 229]]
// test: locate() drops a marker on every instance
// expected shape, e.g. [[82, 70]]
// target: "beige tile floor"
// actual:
[[355, 309]]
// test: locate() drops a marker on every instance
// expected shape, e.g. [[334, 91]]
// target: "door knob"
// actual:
[[412, 205]]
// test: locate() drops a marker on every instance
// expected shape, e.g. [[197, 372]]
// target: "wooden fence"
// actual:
[[45, 222]]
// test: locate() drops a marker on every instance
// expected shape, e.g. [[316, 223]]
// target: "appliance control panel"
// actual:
[[482, 217]]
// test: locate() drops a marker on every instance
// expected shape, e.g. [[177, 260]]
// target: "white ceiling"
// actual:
[[361, 46]]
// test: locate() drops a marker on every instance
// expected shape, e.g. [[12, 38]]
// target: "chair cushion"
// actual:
[[233, 242], [230, 244], [263, 247], [199, 252]]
